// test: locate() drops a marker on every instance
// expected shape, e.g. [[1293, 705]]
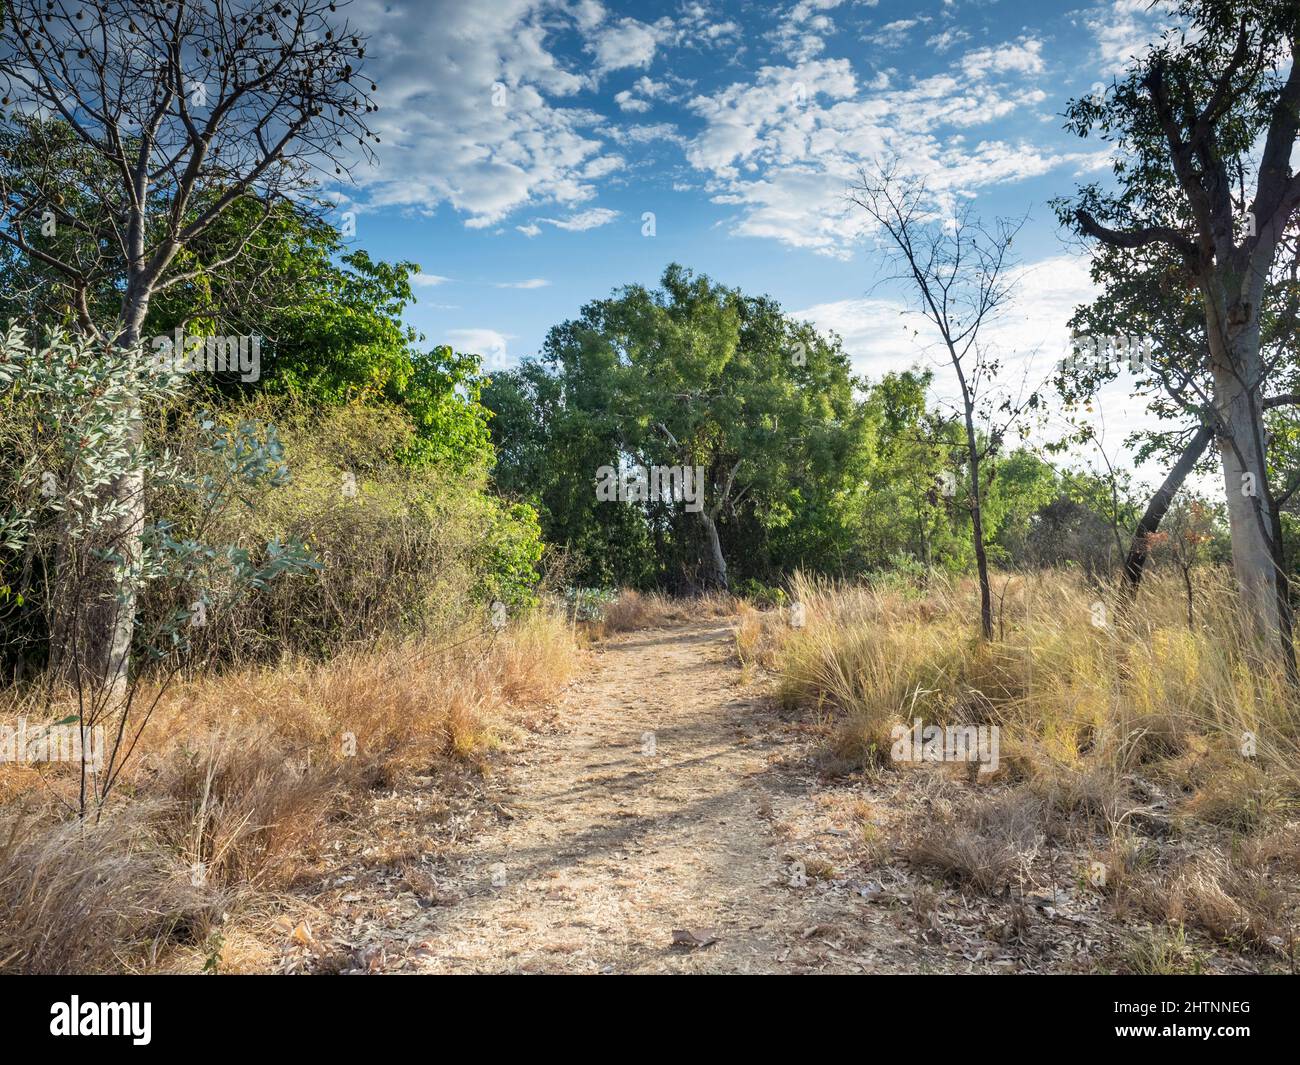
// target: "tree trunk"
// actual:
[[715, 546], [1135, 563], [111, 618], [1235, 364], [110, 614], [1248, 515], [977, 531], [982, 567]]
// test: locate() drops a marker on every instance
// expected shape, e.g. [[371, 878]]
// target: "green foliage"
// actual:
[[833, 475], [403, 549], [690, 374], [514, 549], [589, 604], [761, 594], [332, 329], [74, 415]]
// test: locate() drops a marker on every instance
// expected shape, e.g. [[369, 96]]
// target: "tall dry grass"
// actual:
[[1120, 730], [647, 610], [231, 789], [1071, 679]]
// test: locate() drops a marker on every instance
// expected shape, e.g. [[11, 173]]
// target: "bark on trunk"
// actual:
[[1136, 561], [1250, 514], [1252, 518], [977, 531], [982, 567], [110, 613], [715, 547]]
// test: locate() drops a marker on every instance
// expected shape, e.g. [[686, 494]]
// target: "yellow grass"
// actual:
[[1072, 679], [233, 782], [637, 610], [1097, 708]]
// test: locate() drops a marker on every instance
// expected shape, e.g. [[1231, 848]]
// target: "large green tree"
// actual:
[[689, 374], [1205, 114]]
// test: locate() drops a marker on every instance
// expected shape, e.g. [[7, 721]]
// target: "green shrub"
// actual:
[[402, 547]]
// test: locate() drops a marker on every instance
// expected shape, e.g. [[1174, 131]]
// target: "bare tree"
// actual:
[[1189, 528], [958, 269], [143, 122]]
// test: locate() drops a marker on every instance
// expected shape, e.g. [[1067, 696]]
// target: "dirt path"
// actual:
[[665, 795], [650, 809], [662, 794]]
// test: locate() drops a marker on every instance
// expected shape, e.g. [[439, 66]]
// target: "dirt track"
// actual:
[[651, 809], [663, 794]]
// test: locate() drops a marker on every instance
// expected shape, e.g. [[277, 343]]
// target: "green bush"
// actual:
[[402, 547]]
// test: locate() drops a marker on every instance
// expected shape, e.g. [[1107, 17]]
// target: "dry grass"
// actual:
[[1159, 952], [232, 789], [78, 898], [1234, 895], [758, 640], [1168, 756], [1137, 692], [634, 610], [988, 847]]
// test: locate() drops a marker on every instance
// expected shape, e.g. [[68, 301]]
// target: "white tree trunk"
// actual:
[[715, 545], [111, 616], [1255, 558]]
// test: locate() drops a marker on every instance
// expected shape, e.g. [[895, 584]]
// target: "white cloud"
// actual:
[[626, 43], [532, 282], [423, 280], [662, 132], [1127, 28], [800, 36], [583, 220], [697, 27], [785, 147], [529, 230], [442, 66], [894, 34], [606, 164], [488, 344], [1023, 58], [876, 332], [647, 88], [627, 102], [947, 39]]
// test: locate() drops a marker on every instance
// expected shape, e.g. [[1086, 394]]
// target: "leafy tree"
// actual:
[[907, 497], [1204, 112], [63, 428], [185, 110], [691, 374]]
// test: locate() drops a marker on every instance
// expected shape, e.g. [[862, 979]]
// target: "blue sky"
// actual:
[[524, 142]]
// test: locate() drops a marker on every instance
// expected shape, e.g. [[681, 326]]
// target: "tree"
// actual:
[[1148, 324], [64, 433], [330, 323], [182, 110], [1189, 530], [548, 427], [691, 374], [958, 271], [902, 503], [1195, 119]]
